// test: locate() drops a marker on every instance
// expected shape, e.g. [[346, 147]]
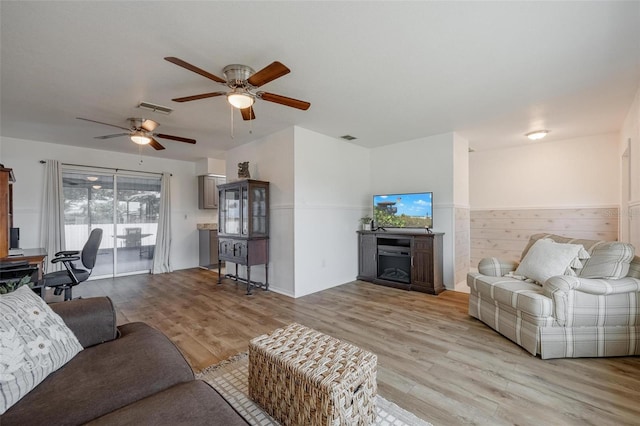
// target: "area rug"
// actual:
[[229, 378]]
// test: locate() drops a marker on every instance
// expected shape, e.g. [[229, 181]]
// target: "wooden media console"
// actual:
[[411, 260]]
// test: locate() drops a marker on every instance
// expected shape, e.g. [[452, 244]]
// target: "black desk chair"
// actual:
[[72, 276]]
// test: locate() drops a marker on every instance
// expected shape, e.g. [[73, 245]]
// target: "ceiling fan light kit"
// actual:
[[140, 138], [239, 99]]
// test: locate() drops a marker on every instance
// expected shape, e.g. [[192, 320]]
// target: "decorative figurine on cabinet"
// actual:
[[243, 170]]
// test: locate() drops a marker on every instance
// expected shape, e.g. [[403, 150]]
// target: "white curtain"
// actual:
[[52, 220], [161, 257]]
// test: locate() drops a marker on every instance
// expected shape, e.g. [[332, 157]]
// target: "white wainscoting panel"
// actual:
[[504, 233], [462, 244]]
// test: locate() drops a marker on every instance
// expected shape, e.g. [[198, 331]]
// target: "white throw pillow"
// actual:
[[546, 259], [34, 342]]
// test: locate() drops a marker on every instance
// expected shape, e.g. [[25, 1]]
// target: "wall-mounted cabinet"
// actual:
[[208, 191]]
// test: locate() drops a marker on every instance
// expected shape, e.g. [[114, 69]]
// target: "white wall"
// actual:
[[331, 195], [206, 166], [462, 237], [630, 187], [460, 171], [425, 164], [582, 172], [318, 191], [215, 166], [271, 159], [24, 156], [566, 187]]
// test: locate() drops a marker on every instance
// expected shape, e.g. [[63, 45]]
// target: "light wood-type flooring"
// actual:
[[433, 359]]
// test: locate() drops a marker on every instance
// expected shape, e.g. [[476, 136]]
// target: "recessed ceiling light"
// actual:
[[537, 134], [92, 178], [97, 186], [348, 137]]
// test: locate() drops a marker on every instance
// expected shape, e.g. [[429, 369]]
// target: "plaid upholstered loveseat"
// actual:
[[593, 312]]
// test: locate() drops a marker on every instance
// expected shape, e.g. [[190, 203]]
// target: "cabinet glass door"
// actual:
[[230, 211], [245, 215], [259, 210]]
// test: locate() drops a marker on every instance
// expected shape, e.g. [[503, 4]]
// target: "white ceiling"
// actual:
[[384, 72]]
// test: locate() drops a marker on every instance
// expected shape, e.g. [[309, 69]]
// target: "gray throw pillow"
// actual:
[[34, 342], [609, 260]]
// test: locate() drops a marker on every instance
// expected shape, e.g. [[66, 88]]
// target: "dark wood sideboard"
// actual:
[[411, 260]]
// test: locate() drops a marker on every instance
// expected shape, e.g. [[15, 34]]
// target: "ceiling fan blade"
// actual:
[[195, 69], [112, 136], [156, 145], [268, 73], [201, 96], [106, 124], [283, 100], [248, 114], [175, 138], [149, 125]]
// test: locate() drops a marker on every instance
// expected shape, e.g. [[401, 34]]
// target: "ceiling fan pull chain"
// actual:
[[231, 109]]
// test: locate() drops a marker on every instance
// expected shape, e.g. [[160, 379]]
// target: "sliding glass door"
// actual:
[[126, 207], [138, 207]]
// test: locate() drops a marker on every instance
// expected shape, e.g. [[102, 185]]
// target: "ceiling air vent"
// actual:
[[155, 108], [348, 137]]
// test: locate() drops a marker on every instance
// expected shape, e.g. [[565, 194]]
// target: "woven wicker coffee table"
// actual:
[[303, 377]]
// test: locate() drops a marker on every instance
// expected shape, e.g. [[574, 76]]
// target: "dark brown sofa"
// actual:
[[127, 375]]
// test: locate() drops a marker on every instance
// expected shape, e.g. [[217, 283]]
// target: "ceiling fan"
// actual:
[[243, 82], [140, 131]]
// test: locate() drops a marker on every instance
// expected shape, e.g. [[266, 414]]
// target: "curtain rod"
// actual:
[[107, 168]]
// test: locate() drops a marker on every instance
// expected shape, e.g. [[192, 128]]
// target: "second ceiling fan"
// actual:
[[243, 80], [141, 131]]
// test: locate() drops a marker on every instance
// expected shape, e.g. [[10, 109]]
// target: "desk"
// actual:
[[33, 256]]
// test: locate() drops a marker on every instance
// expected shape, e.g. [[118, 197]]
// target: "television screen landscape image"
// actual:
[[403, 210]]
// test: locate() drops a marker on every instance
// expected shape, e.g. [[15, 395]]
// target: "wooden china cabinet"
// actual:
[[6, 208], [243, 229]]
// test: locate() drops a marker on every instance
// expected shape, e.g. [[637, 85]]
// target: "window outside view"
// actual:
[[125, 207]]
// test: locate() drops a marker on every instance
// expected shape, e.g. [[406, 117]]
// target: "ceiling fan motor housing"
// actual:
[[143, 124], [237, 75]]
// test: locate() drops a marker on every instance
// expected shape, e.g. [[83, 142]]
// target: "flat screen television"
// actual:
[[413, 210]]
